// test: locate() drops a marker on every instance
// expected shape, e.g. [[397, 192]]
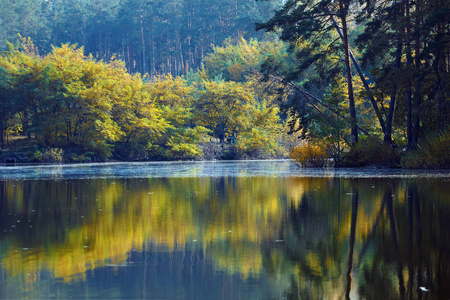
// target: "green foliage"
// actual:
[[71, 101], [180, 137], [48, 155], [224, 107], [308, 155], [81, 158], [371, 151], [101, 108], [238, 59], [434, 153], [404, 53], [261, 139]]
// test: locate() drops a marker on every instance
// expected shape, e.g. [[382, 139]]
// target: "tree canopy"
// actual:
[[402, 66], [94, 108]]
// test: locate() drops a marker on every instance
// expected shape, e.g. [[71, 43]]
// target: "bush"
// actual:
[[309, 156], [48, 155], [81, 158], [371, 151], [233, 153], [434, 153]]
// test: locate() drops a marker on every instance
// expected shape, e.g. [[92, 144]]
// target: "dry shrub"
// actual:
[[311, 156]]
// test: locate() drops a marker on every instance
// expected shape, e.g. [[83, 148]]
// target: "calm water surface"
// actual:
[[223, 230]]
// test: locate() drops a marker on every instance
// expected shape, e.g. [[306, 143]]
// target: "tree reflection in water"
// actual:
[[301, 238]]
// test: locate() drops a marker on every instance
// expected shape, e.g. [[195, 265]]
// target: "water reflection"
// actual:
[[225, 237]]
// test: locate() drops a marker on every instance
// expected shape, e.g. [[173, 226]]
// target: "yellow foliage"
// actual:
[[71, 100], [309, 155]]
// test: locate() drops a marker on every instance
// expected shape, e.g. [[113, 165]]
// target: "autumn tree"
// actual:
[[72, 100], [223, 107], [181, 135]]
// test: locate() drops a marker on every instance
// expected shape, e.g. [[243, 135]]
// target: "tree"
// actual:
[[181, 137], [6, 104], [25, 17], [240, 59], [224, 107], [155, 37], [406, 55], [73, 101], [313, 21]]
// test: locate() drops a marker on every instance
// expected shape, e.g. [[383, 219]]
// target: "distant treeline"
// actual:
[[150, 36]]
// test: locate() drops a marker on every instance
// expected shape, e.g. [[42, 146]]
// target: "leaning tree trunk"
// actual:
[[360, 74]]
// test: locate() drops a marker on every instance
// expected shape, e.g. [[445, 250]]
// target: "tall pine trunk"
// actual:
[[141, 20], [351, 99], [392, 103], [409, 68], [2, 139], [418, 82], [397, 63]]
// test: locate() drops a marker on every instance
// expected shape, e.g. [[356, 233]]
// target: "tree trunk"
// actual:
[[442, 73], [390, 116], [360, 74], [416, 124], [2, 137], [141, 19], [409, 62], [351, 99], [418, 84]]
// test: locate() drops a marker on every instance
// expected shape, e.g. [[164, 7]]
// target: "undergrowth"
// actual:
[[371, 151], [433, 153]]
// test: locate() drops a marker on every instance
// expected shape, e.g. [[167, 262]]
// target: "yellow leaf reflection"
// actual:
[[295, 231], [103, 220]]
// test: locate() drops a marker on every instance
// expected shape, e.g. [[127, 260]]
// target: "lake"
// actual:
[[223, 230]]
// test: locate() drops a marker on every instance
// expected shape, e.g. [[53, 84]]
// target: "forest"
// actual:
[[360, 82]]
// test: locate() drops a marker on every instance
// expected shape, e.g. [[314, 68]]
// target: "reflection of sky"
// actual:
[[280, 168]]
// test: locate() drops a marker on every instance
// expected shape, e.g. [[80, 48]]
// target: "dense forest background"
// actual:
[[362, 82], [150, 36]]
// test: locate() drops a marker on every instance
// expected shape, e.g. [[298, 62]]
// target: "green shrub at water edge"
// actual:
[[433, 153], [48, 155], [81, 158], [371, 151]]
